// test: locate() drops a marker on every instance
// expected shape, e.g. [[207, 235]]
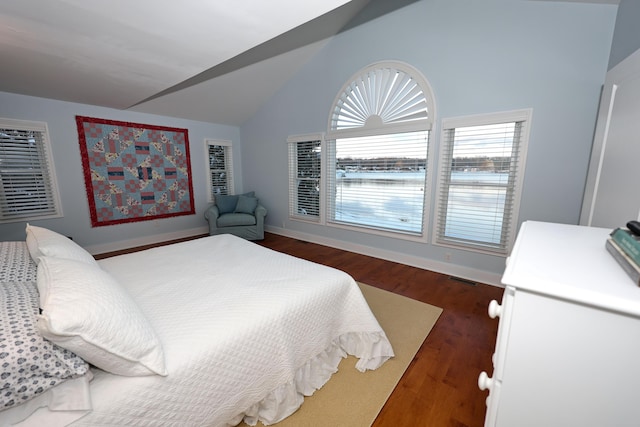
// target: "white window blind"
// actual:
[[379, 181], [220, 162], [28, 188], [480, 181], [305, 174]]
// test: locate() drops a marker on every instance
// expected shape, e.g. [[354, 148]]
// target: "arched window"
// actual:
[[377, 150], [385, 95]]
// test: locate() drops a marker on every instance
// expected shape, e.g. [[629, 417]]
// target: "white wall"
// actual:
[[60, 117], [479, 57]]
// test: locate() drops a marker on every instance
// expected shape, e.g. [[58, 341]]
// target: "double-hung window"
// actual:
[[379, 181], [28, 188], [220, 167], [305, 177], [377, 151], [480, 180]]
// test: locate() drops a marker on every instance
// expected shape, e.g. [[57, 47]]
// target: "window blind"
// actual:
[[305, 179], [220, 169], [27, 187], [479, 173], [379, 181]]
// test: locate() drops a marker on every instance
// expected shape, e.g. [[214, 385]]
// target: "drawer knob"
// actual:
[[484, 381], [495, 310]]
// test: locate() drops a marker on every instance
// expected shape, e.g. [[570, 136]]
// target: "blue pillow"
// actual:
[[227, 204], [246, 205]]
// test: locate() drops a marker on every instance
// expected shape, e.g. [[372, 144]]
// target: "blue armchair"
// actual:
[[241, 215]]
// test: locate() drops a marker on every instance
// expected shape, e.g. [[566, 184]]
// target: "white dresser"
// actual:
[[568, 346]]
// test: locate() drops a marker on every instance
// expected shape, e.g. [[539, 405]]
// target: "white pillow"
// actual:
[[44, 242], [85, 310]]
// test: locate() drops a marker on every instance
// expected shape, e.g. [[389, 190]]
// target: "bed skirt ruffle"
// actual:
[[372, 350]]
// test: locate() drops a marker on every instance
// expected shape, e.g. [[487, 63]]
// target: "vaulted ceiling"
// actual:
[[207, 60]]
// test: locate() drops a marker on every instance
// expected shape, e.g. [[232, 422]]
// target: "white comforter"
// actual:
[[246, 331]]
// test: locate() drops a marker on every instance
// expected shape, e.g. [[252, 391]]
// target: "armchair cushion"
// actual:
[[246, 205], [236, 219], [227, 204]]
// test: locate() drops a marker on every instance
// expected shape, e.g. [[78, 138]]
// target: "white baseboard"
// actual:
[[471, 274], [148, 240]]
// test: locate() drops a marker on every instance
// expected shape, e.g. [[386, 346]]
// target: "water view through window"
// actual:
[[392, 200], [476, 212], [380, 181], [396, 200], [477, 185]]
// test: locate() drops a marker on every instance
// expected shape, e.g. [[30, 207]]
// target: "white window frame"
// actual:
[[377, 118], [48, 171], [516, 178], [292, 144], [228, 166]]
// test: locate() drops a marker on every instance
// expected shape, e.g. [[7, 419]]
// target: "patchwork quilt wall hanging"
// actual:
[[134, 172]]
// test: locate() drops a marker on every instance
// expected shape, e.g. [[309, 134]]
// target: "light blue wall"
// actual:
[[60, 117], [626, 37], [494, 55], [479, 57]]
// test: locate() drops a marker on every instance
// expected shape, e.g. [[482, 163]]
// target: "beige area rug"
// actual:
[[352, 398]]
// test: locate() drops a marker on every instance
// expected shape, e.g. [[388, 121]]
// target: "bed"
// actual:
[[209, 332]]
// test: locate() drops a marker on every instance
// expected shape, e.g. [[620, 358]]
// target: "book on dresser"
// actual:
[[627, 264], [628, 242]]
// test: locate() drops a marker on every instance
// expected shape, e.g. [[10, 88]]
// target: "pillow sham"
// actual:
[[44, 242], [85, 310], [246, 205], [29, 364]]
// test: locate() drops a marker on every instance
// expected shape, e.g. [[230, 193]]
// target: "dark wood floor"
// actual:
[[439, 389]]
